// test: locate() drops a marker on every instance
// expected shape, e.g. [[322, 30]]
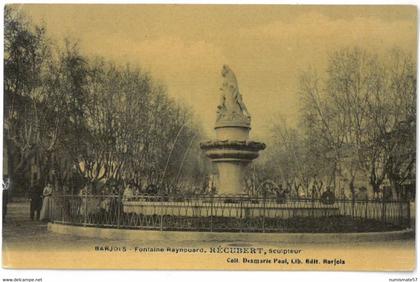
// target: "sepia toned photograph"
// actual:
[[209, 137]]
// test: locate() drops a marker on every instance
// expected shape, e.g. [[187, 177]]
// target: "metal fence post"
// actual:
[[408, 214], [119, 203], [400, 213], [85, 222], [63, 208], [383, 211], [263, 219], [313, 203], [240, 215], [50, 211], [161, 216], [366, 209], [211, 213]]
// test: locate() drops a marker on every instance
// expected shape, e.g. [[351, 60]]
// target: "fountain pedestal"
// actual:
[[232, 150]]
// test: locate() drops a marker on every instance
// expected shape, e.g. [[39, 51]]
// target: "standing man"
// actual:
[[6, 185], [35, 196]]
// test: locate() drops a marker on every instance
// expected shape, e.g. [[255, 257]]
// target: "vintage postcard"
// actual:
[[209, 137]]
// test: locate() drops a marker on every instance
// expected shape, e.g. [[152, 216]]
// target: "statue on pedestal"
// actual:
[[232, 150], [231, 107]]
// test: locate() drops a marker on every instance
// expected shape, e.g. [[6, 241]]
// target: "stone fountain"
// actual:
[[232, 150]]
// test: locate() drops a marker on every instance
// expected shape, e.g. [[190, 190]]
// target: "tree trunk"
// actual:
[[352, 188], [394, 190]]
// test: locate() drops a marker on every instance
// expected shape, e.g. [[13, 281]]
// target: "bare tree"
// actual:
[[357, 107]]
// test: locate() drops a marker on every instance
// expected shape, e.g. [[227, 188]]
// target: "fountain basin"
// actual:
[[232, 150], [231, 158]]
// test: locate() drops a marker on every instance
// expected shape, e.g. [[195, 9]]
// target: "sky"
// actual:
[[267, 46]]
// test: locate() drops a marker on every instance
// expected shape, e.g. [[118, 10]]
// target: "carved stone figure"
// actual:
[[231, 107]]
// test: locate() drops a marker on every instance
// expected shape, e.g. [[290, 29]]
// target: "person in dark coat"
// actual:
[[35, 196], [328, 197], [5, 186], [5, 201]]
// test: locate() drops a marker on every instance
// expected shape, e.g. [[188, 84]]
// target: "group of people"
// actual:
[[40, 202]]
